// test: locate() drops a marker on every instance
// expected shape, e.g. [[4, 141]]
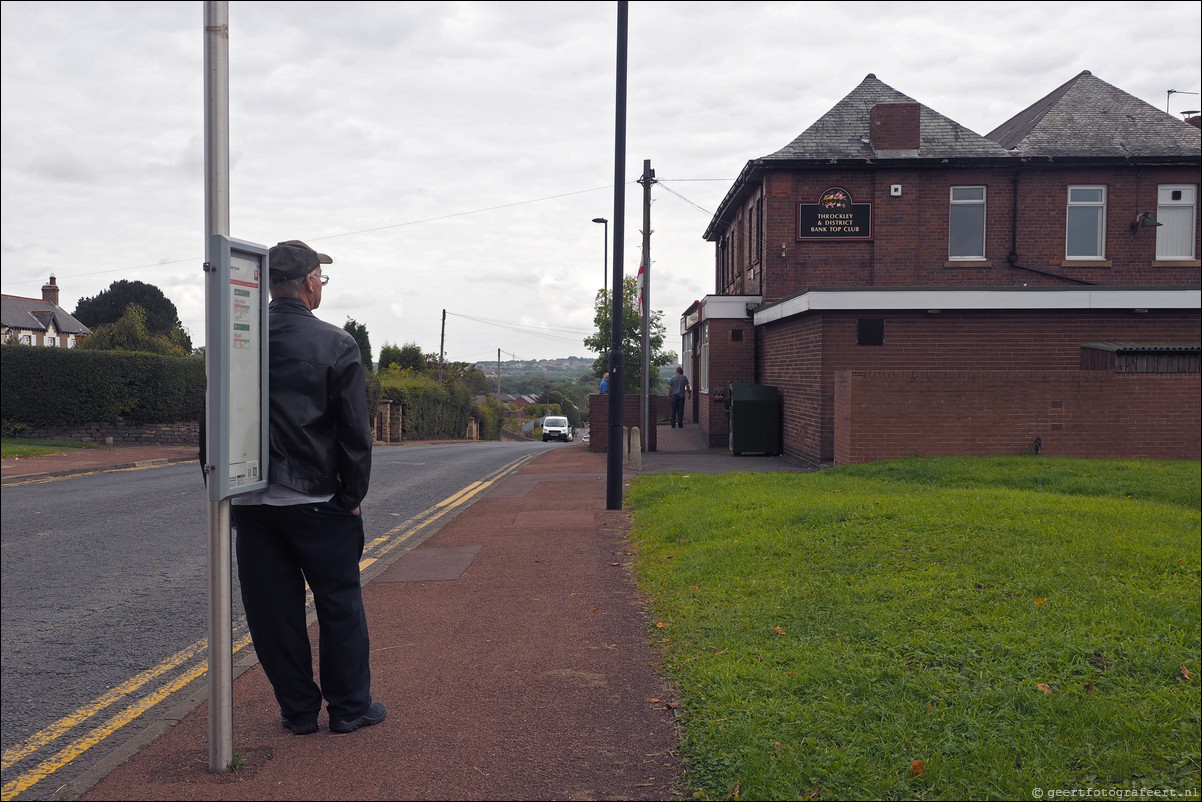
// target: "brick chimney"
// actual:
[[896, 127], [50, 291]]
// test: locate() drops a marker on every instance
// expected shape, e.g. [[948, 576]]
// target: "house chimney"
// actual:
[[50, 291], [896, 127]]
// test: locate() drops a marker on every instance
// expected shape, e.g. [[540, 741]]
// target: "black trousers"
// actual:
[[279, 549], [678, 410]]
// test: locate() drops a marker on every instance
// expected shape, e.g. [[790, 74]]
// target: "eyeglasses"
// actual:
[[323, 278]]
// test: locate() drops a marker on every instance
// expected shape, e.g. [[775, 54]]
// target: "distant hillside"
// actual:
[[568, 368]]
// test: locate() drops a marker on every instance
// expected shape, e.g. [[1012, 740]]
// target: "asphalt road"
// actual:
[[105, 594]]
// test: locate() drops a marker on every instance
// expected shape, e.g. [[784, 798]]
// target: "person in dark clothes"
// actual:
[[678, 388], [305, 527]]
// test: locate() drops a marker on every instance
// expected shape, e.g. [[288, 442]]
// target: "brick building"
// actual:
[[913, 288]]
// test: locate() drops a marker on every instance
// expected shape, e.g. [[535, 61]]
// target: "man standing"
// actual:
[[678, 387], [305, 526]]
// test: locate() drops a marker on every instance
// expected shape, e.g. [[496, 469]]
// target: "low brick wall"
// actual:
[[632, 413], [122, 434], [893, 414]]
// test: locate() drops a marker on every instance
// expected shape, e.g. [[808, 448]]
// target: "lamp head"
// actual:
[[1145, 219]]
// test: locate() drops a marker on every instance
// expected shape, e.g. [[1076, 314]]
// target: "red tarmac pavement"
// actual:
[[510, 648]]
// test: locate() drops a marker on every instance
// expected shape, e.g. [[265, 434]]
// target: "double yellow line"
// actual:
[[193, 660]]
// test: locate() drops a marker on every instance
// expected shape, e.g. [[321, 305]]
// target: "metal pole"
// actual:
[[217, 221], [646, 181], [617, 361], [605, 260]]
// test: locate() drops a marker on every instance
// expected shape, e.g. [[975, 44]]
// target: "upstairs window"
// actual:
[[1086, 229], [1176, 211], [966, 226]]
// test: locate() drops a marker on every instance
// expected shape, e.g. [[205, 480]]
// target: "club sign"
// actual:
[[834, 216]]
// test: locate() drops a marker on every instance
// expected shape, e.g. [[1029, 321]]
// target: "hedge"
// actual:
[[432, 410], [57, 386]]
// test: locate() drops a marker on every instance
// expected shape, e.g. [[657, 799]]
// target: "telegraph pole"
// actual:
[[647, 180], [442, 344]]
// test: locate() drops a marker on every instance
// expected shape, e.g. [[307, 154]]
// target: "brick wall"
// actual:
[[910, 232], [802, 355], [123, 434], [893, 414], [632, 413], [732, 349]]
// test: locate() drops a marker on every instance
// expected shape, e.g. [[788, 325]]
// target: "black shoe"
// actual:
[[374, 715], [303, 728]]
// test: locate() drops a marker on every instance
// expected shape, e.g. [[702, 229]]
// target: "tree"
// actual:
[[412, 358], [359, 332], [108, 306], [389, 355], [130, 333], [632, 339]]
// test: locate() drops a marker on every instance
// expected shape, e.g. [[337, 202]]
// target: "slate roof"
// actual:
[[843, 132], [36, 315], [1088, 117], [1085, 118]]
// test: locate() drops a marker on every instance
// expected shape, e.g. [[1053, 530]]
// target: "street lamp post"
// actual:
[[605, 264]]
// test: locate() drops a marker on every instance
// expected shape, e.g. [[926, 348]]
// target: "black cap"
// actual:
[[293, 259]]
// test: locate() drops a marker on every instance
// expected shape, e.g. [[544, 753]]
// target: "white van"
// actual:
[[556, 428]]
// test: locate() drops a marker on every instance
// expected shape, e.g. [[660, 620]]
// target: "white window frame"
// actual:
[[1086, 207], [703, 381], [1178, 216], [971, 199]]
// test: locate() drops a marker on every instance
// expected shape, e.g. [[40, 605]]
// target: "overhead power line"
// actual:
[[543, 331], [661, 182]]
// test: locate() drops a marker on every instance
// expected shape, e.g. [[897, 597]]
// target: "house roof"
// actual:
[[36, 315], [845, 131], [1085, 118], [1088, 117]]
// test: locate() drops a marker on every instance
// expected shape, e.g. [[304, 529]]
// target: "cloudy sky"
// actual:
[[451, 156]]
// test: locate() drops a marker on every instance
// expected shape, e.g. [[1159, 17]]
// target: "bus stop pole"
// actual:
[[217, 221]]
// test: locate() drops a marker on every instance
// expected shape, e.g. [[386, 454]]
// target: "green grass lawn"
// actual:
[[18, 448], [929, 628]]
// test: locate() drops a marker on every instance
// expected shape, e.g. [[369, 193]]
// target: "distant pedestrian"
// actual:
[[678, 388], [305, 527], [605, 383]]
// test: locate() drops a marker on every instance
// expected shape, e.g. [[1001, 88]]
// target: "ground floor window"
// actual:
[[870, 331]]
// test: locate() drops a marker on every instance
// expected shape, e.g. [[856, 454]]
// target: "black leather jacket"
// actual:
[[320, 434]]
